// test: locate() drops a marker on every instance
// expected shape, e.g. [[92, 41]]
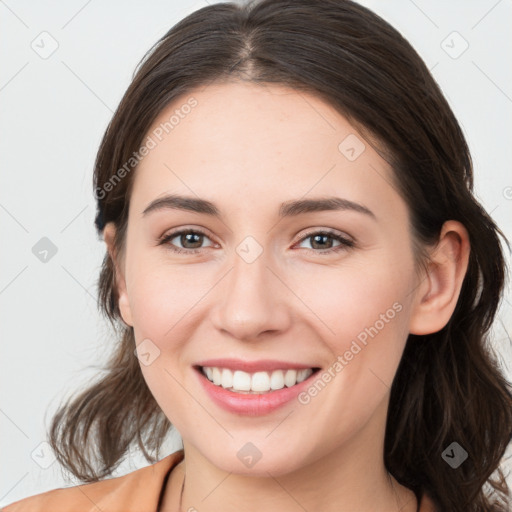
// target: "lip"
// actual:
[[263, 365], [253, 404]]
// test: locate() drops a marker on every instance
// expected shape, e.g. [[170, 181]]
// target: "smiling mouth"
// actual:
[[261, 382]]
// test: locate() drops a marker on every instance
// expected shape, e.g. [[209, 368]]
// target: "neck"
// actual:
[[351, 477]]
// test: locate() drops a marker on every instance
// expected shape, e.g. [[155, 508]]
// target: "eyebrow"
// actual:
[[287, 209]]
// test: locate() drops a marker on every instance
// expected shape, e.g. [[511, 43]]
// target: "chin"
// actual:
[[249, 461]]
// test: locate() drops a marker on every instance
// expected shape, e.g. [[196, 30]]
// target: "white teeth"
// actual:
[[227, 379], [217, 377], [241, 380], [290, 378], [258, 382], [303, 375], [277, 379]]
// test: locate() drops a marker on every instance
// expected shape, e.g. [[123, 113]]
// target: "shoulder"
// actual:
[[138, 491]]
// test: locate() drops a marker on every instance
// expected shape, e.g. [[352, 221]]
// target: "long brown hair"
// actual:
[[448, 387]]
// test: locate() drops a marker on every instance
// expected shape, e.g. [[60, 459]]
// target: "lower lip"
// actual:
[[252, 404]]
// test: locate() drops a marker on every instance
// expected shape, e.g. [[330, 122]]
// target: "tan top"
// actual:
[[138, 491]]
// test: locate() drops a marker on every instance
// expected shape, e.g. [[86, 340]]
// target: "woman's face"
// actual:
[[263, 280]]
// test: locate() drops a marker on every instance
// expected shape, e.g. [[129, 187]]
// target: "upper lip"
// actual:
[[253, 366]]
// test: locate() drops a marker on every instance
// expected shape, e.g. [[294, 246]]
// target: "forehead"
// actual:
[[257, 121], [257, 141]]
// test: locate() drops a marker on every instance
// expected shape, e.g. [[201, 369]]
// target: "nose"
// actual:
[[251, 301]]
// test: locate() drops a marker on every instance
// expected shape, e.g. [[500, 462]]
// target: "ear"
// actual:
[[109, 232], [438, 291]]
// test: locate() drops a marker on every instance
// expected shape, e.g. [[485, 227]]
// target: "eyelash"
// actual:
[[345, 243]]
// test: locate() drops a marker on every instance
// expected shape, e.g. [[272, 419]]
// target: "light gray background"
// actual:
[[53, 114]]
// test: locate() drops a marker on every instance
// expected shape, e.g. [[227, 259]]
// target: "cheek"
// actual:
[[344, 302], [162, 295], [162, 298], [362, 314]]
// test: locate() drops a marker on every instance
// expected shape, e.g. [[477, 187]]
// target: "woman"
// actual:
[[321, 343]]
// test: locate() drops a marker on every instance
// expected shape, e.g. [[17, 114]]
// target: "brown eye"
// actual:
[[194, 239], [322, 242], [190, 240]]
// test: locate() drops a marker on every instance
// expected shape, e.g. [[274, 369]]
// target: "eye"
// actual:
[[190, 239], [321, 242]]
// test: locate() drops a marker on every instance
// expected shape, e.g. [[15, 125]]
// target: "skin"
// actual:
[[248, 148]]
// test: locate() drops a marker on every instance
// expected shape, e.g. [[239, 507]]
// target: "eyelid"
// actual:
[[345, 240], [325, 231], [187, 229], [173, 233]]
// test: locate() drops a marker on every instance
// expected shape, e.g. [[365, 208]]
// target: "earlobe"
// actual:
[[119, 278], [437, 294]]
